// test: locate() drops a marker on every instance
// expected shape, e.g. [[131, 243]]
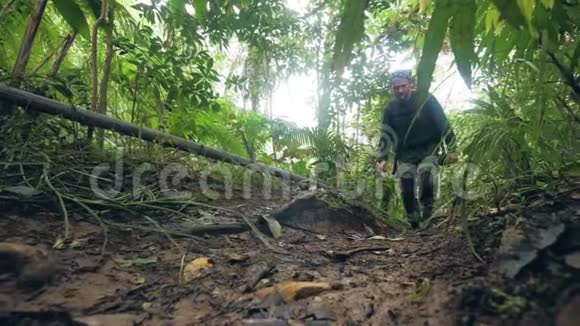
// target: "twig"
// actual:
[[567, 74], [152, 221], [144, 204], [150, 229], [565, 105], [465, 227], [98, 218], [61, 203], [343, 255], [250, 224], [181, 267]]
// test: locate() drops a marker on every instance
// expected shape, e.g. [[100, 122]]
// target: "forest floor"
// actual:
[[424, 277]]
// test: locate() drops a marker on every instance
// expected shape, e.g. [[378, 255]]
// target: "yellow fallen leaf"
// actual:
[[236, 258], [194, 269], [422, 290], [291, 291], [138, 279]]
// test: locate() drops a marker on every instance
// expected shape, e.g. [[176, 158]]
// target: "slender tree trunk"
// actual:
[[135, 92], [319, 44], [29, 37], [270, 114], [25, 47], [324, 121], [48, 57], [95, 64], [255, 102], [104, 87], [159, 105], [70, 39], [357, 135], [343, 131], [6, 8]]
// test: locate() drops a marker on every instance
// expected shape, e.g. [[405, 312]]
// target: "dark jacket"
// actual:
[[414, 133]]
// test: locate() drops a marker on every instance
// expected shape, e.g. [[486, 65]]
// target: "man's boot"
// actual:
[[409, 201], [427, 195]]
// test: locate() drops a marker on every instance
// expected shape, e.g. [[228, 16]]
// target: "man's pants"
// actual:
[[418, 179]]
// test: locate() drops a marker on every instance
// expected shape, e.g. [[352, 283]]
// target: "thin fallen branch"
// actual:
[[150, 229], [218, 228], [343, 255], [98, 218], [249, 223]]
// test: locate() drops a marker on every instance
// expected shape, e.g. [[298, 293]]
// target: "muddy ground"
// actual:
[[425, 277]]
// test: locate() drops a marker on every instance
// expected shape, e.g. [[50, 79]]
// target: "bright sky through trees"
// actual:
[[294, 100]]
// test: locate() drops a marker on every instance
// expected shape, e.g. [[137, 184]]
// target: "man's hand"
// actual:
[[451, 158]]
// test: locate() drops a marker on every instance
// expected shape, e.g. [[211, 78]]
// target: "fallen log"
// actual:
[[38, 103]]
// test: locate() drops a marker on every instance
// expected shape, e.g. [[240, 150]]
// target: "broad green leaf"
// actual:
[[178, 7], [549, 4], [504, 44], [301, 168], [200, 7], [576, 56], [350, 31], [178, 4], [433, 43], [492, 20], [462, 34], [544, 22], [527, 8], [74, 16], [95, 6], [511, 12], [423, 5]]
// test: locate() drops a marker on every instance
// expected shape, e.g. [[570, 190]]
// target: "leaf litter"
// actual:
[[234, 278]]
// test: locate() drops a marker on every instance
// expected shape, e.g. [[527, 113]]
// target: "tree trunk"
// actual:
[[95, 63], [324, 120], [70, 39], [159, 106], [28, 39], [270, 116], [134, 107], [356, 137], [319, 45], [255, 103], [48, 57], [6, 8], [104, 88], [41, 104]]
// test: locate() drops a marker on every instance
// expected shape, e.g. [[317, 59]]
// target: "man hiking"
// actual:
[[420, 137]]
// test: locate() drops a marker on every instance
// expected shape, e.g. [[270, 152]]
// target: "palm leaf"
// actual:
[[74, 16], [350, 32], [433, 43]]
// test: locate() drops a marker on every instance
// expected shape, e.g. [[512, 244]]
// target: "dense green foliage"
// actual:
[[160, 64]]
